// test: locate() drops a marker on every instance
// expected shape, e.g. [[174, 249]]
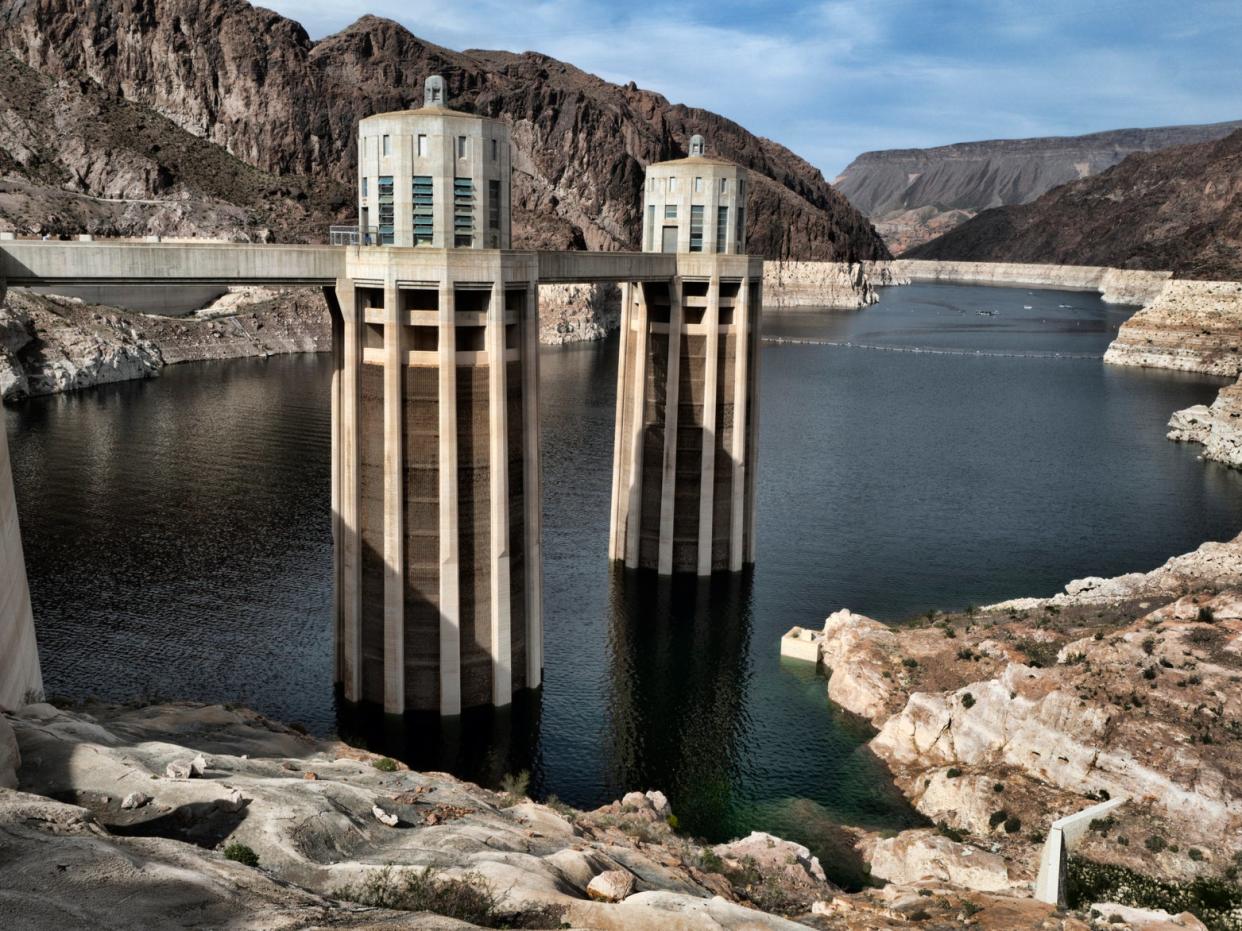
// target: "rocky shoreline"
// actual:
[[51, 344], [190, 815], [997, 721]]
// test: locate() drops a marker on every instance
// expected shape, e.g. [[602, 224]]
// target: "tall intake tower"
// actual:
[[436, 423], [684, 467]]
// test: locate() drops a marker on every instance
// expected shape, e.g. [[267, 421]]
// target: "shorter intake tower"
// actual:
[[684, 468]]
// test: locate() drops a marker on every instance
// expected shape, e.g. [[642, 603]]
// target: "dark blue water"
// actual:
[[178, 539]]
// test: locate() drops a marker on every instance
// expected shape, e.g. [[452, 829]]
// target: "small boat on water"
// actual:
[[988, 313], [1026, 307]]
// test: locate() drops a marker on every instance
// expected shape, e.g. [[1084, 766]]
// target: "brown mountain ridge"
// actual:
[[254, 83], [1178, 209]]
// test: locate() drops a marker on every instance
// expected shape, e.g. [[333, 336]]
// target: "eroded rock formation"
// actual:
[[999, 720]]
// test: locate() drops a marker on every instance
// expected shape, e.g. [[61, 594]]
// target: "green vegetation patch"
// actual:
[[1214, 901]]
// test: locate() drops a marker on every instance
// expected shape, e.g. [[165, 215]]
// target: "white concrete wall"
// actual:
[[693, 182], [19, 657]]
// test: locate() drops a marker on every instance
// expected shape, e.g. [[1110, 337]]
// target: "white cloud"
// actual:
[[832, 78]]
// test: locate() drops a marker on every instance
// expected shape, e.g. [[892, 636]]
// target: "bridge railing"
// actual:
[[353, 235]]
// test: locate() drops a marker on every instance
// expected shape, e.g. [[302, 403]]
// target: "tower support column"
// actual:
[[394, 501], [681, 409], [437, 430], [348, 544]]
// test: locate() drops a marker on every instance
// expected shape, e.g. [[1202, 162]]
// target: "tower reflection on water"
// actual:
[[675, 713]]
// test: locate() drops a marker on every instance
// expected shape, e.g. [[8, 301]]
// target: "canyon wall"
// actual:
[[913, 195], [1190, 326], [1178, 209], [835, 285], [20, 677], [1116, 285]]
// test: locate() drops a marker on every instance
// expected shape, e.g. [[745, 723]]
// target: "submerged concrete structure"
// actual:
[[436, 497], [20, 676], [683, 470]]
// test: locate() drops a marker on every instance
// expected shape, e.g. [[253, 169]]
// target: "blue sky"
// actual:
[[834, 78]]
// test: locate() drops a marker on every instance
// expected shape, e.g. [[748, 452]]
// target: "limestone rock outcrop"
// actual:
[[835, 285], [571, 313], [50, 344], [1190, 326], [314, 837], [1218, 428], [920, 855], [863, 660]]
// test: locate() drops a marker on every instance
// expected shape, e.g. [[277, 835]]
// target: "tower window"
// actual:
[[495, 150], [670, 211], [364, 187], [672, 184], [462, 150], [696, 229], [424, 219], [724, 185], [493, 203], [698, 185], [385, 211], [463, 212], [650, 237], [387, 145], [422, 145], [722, 228]]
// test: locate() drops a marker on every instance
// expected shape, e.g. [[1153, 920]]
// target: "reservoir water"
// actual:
[[177, 534]]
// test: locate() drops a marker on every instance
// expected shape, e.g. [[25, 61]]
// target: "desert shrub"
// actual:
[[1215, 902], [1102, 825], [952, 834], [968, 700], [514, 788], [385, 764], [953, 772], [1207, 615], [997, 818], [1149, 672], [240, 853], [910, 662], [710, 862], [468, 898], [998, 787], [1013, 824], [1155, 843], [1195, 854], [1039, 653]]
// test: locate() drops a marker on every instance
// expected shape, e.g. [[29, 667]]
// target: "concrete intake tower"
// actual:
[[436, 479], [683, 475]]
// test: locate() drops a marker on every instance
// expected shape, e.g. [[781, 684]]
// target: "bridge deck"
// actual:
[[35, 263]]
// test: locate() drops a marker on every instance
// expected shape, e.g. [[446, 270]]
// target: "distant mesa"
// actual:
[[914, 195]]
